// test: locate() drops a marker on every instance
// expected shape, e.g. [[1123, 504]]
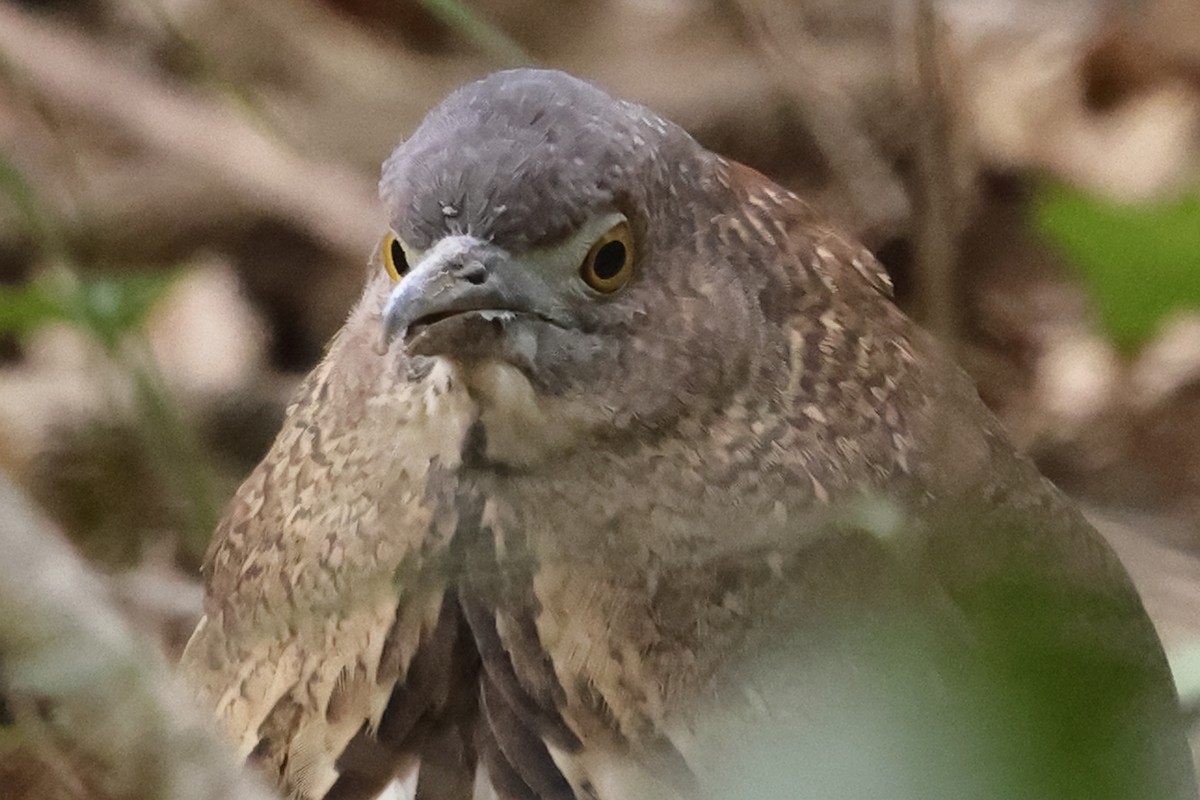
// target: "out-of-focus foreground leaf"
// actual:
[[1141, 263], [107, 307]]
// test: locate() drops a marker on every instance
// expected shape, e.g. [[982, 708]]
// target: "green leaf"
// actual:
[[1141, 263], [107, 307], [25, 308]]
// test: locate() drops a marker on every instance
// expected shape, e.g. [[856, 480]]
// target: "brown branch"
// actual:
[[71, 72], [93, 704]]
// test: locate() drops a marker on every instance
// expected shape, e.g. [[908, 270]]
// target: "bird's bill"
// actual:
[[463, 288]]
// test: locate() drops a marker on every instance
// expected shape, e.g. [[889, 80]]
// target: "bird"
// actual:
[[626, 478]]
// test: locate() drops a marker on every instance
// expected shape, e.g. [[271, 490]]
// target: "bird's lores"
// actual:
[[625, 479]]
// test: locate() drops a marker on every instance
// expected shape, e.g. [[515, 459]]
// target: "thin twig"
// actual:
[[935, 217], [852, 156], [171, 441]]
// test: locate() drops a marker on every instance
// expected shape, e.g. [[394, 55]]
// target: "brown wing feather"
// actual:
[[325, 577]]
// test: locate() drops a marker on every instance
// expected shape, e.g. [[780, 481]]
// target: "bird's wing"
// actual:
[[765, 673], [326, 613], [1058, 680], [995, 652], [1058, 620], [797, 230]]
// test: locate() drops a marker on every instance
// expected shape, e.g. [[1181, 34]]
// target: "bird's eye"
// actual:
[[394, 260], [609, 264]]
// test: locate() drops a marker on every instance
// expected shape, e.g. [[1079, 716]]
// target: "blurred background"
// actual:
[[187, 205]]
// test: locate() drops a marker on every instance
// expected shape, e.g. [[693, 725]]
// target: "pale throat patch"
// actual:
[[522, 427]]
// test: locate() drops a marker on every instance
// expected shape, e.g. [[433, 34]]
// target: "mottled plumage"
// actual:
[[734, 520]]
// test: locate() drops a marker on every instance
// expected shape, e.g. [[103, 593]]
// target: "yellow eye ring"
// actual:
[[394, 260], [609, 264]]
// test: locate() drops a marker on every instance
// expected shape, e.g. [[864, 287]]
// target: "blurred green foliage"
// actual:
[[108, 307], [1140, 262], [111, 310], [483, 34]]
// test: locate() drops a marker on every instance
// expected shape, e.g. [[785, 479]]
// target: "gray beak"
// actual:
[[453, 277], [461, 274]]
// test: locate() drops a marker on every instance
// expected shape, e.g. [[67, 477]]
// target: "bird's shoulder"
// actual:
[[803, 237]]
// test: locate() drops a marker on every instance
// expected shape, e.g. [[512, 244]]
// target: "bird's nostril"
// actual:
[[473, 273]]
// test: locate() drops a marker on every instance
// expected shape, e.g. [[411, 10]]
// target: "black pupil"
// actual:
[[609, 261], [398, 259]]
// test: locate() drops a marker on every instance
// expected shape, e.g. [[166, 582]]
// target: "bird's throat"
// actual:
[[522, 428]]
